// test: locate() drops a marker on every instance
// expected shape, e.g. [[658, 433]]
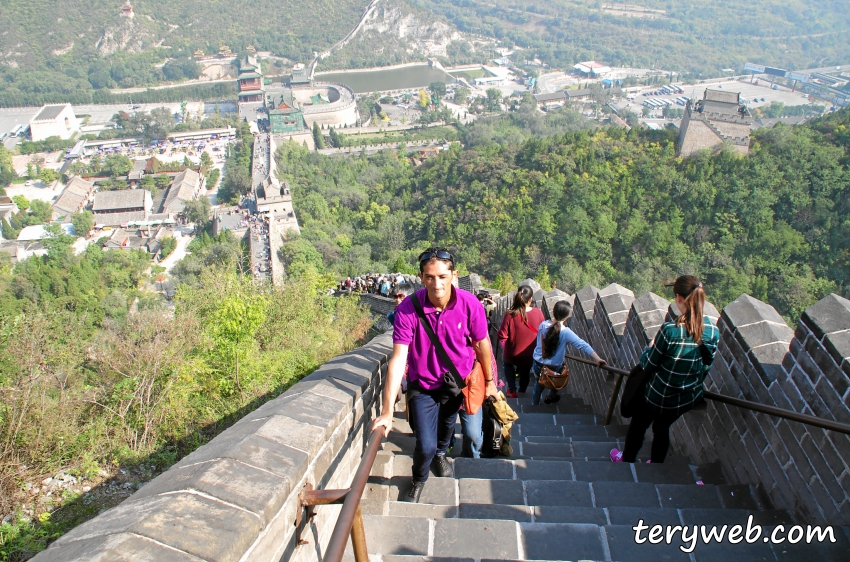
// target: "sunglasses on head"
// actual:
[[443, 255]]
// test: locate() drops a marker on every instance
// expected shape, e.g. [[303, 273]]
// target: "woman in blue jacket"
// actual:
[[552, 339]]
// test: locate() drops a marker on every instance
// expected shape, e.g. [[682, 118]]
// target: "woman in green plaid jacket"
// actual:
[[676, 372]]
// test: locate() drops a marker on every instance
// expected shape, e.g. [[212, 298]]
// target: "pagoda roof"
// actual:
[[250, 74]]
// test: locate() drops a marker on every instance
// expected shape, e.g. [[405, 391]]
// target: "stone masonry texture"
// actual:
[[761, 359], [236, 498]]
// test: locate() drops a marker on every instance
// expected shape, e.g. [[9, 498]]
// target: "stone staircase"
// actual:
[[559, 497]]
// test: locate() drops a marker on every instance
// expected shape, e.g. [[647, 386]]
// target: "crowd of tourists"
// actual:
[[372, 283], [444, 366]]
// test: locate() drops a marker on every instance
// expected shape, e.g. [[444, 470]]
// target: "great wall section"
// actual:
[[237, 497]]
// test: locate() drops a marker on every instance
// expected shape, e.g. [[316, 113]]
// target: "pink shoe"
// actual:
[[616, 455], [649, 462]]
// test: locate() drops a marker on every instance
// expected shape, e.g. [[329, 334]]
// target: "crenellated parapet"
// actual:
[[760, 359]]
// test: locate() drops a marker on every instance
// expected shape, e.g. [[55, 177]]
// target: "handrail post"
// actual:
[[358, 537], [613, 401]]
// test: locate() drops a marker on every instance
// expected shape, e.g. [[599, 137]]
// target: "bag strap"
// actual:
[[435, 341], [707, 358]]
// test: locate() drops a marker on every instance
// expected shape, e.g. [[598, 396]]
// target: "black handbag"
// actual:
[[492, 427], [634, 391]]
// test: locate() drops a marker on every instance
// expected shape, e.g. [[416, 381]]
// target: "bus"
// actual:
[[17, 131]]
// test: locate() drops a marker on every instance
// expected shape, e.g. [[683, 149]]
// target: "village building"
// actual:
[[148, 239], [285, 115], [592, 69], [250, 80], [7, 209], [127, 10], [187, 185], [54, 121], [115, 208], [74, 198], [299, 77], [718, 118]]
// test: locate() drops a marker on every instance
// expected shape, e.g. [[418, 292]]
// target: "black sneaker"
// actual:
[[552, 399], [415, 491], [441, 467]]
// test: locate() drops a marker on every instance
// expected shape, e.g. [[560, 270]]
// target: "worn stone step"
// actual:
[[494, 469], [562, 541], [396, 535], [438, 491], [570, 409], [688, 496], [477, 491], [571, 438], [476, 538], [505, 512], [826, 550], [666, 473], [629, 494], [428, 511], [569, 514], [622, 547], [738, 496], [591, 471], [627, 515], [701, 516], [558, 492]]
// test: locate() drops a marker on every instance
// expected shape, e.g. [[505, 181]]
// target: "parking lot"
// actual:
[[755, 95]]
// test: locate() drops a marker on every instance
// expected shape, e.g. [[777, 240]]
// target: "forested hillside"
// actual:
[[48, 46], [592, 207], [693, 36], [104, 383]]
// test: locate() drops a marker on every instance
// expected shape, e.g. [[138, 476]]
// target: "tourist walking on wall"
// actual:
[[552, 339], [676, 370], [434, 396], [518, 336]]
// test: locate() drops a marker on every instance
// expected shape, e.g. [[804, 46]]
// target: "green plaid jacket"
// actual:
[[674, 361]]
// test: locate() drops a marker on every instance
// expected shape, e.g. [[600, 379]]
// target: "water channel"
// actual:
[[418, 76]]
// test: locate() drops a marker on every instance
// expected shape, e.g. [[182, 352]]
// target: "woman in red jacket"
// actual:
[[518, 336]]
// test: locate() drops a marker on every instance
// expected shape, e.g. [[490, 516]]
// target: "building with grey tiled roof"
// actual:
[[73, 198], [716, 119], [187, 185]]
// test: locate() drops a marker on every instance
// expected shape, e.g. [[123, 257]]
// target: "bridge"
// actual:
[[269, 487]]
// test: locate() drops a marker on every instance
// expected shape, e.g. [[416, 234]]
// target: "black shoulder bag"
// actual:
[[634, 391], [453, 383]]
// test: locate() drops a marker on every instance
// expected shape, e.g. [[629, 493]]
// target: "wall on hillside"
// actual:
[[236, 498], [799, 467]]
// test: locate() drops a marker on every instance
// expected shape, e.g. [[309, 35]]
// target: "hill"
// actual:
[[698, 37], [47, 46], [592, 207]]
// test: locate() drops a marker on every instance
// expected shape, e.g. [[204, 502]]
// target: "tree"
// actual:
[[41, 211], [461, 95], [47, 175], [206, 162], [424, 101], [494, 99], [318, 138], [83, 222], [198, 211], [162, 181], [438, 88], [168, 245], [22, 202], [117, 165]]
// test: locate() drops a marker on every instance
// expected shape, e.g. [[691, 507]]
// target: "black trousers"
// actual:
[[641, 421]]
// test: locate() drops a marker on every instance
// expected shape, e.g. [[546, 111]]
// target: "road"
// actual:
[[180, 251]]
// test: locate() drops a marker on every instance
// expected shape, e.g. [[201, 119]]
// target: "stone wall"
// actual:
[[236, 498], [798, 467]]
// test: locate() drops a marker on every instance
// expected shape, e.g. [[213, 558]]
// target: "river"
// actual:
[[361, 81]]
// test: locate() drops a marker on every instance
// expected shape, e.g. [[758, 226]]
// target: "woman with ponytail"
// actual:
[[677, 362], [552, 339], [517, 336]]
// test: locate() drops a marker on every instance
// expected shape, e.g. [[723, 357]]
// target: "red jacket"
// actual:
[[519, 338]]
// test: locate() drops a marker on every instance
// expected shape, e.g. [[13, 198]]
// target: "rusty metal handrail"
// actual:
[[350, 521], [732, 401]]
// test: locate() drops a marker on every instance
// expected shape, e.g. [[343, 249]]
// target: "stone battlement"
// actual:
[[760, 358]]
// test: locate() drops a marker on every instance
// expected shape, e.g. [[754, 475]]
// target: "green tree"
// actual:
[[117, 165], [461, 95], [168, 245], [318, 138], [198, 211], [41, 212], [438, 88], [83, 222], [22, 202], [162, 181]]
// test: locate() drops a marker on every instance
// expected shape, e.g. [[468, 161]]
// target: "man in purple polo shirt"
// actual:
[[460, 323]]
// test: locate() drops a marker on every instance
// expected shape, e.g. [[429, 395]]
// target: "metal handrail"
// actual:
[[350, 519], [732, 401]]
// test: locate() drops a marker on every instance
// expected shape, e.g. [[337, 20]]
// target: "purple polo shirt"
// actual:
[[462, 321]]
